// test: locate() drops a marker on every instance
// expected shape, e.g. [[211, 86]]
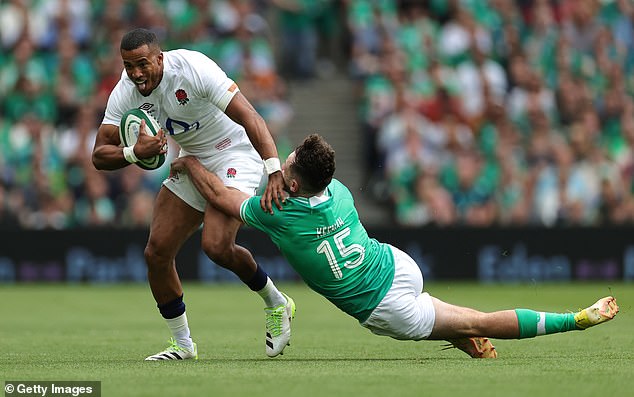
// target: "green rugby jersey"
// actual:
[[324, 241]]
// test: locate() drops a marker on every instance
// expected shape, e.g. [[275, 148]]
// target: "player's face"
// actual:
[[144, 66], [286, 173]]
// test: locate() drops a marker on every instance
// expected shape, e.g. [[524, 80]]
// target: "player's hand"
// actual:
[[177, 165], [274, 193], [180, 164], [147, 145]]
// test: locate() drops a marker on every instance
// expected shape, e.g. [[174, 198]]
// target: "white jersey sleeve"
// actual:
[[118, 103], [212, 81]]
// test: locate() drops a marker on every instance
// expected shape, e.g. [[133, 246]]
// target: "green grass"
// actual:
[[103, 332]]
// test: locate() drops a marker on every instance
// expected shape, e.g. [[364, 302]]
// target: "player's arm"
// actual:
[[242, 112], [108, 154], [225, 199]]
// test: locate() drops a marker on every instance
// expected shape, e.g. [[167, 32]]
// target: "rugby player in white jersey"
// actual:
[[319, 233], [203, 110]]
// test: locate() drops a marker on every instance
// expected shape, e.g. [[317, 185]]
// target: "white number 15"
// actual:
[[344, 251]]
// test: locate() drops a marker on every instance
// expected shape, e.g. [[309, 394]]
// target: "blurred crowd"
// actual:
[[473, 112], [58, 63], [497, 112]]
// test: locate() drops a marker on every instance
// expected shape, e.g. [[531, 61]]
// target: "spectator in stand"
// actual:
[[73, 78], [138, 212], [299, 38], [404, 163], [471, 186], [444, 97], [64, 20], [513, 200], [24, 84], [434, 202], [461, 33], [8, 217], [571, 94], [477, 74], [379, 101], [94, 207], [369, 24], [529, 93], [17, 21], [541, 41], [404, 119], [581, 27]]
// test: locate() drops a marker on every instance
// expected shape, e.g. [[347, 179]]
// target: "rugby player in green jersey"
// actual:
[[319, 232]]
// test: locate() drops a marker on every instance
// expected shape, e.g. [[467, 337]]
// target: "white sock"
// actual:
[[271, 295], [180, 331]]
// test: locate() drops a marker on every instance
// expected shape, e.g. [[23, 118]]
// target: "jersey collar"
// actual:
[[320, 198]]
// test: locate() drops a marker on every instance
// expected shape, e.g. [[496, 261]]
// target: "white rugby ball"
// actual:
[[129, 133]]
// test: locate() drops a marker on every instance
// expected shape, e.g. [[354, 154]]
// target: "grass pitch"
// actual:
[[103, 332]]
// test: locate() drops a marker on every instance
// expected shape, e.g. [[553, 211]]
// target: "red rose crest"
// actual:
[[231, 173], [181, 96]]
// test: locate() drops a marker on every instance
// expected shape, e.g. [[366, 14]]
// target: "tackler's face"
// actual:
[[144, 66], [286, 173]]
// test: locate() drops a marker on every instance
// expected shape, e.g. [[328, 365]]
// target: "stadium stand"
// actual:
[[497, 112], [58, 64], [477, 113]]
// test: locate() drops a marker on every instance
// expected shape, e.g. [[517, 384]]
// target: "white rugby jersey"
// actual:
[[189, 103]]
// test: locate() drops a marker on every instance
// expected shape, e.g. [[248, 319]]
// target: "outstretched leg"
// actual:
[[455, 321], [465, 328]]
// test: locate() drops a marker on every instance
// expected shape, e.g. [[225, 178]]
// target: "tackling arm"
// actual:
[[210, 186]]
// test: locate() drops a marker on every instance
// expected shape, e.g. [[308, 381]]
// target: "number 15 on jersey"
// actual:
[[343, 251]]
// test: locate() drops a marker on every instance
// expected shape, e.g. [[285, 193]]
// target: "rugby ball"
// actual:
[[129, 132]]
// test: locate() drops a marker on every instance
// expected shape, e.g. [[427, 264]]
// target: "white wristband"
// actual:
[[272, 165], [128, 153]]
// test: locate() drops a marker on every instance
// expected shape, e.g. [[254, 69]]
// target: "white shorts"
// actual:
[[240, 168], [404, 313]]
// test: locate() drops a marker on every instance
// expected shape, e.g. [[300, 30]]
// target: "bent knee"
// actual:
[[219, 252], [157, 258]]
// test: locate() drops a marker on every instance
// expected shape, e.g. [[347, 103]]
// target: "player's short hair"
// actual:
[[314, 164], [137, 38]]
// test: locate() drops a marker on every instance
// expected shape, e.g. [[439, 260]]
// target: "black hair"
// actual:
[[137, 38], [314, 164]]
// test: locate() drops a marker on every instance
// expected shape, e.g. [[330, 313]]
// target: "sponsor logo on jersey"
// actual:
[[181, 96], [171, 123], [149, 107], [231, 173], [225, 143]]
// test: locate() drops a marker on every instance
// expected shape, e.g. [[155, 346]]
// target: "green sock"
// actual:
[[534, 323]]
